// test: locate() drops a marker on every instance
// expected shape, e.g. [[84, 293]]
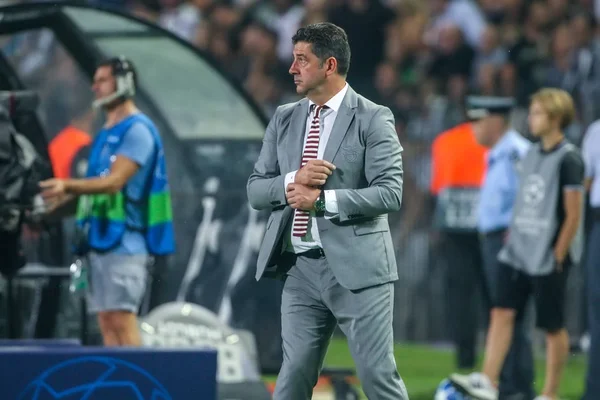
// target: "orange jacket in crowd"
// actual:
[[457, 159]]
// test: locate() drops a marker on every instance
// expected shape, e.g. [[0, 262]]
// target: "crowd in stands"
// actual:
[[418, 57]]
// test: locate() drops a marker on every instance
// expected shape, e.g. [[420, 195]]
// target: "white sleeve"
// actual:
[[331, 205]]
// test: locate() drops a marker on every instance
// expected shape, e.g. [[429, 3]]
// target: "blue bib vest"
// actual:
[[102, 217]]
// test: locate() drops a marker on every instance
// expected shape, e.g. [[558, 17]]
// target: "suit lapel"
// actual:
[[341, 125], [297, 129]]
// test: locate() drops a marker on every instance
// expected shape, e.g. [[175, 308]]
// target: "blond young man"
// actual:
[[544, 241]]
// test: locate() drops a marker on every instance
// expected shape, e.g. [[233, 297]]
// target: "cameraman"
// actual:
[[124, 211]]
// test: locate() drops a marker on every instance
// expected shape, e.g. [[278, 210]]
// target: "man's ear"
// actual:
[[331, 65]]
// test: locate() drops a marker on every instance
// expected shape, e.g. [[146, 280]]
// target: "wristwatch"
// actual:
[[320, 202]]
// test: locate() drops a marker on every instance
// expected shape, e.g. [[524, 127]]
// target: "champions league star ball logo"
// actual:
[[105, 378], [534, 190], [447, 391]]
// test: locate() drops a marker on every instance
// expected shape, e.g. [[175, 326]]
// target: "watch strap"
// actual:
[[320, 203]]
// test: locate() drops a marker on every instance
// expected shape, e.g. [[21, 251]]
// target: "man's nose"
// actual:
[[293, 70]]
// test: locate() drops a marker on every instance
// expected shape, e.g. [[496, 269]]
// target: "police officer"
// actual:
[[458, 166], [490, 116]]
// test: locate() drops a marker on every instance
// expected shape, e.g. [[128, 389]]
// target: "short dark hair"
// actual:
[[327, 40], [116, 63]]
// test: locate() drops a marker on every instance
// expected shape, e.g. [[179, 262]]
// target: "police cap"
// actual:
[[482, 106]]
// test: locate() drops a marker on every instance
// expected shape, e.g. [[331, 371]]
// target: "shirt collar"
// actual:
[[335, 102], [502, 144]]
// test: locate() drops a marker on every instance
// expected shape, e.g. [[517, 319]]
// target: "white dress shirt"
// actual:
[[312, 240], [590, 150]]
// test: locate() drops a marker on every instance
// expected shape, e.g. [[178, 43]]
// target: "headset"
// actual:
[[125, 75]]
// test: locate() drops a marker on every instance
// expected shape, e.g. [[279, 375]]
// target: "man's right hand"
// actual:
[[314, 173]]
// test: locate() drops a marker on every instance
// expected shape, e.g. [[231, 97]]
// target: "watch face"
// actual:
[[320, 205]]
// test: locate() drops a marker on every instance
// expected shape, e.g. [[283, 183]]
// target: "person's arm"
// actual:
[[571, 177], [135, 150], [266, 185], [383, 170], [590, 142], [121, 171], [473, 24]]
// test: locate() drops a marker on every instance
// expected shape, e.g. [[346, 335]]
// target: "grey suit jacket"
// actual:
[[367, 181]]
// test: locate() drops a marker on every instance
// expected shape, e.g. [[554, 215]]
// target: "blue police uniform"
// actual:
[[501, 183]]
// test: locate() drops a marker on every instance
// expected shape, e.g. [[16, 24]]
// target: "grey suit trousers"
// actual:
[[312, 303]]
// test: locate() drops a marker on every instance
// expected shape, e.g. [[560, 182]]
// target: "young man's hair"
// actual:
[[327, 40], [117, 62], [557, 103]]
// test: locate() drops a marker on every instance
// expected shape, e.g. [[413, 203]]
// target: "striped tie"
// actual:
[[311, 148]]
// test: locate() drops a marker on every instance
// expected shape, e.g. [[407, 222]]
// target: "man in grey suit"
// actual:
[[330, 169]]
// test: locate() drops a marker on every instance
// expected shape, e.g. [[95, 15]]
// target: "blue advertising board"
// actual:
[[78, 373]]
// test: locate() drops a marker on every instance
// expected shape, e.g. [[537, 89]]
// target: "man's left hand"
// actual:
[[302, 197], [53, 188]]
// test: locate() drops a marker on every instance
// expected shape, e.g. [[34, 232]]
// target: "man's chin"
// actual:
[[112, 105], [301, 90]]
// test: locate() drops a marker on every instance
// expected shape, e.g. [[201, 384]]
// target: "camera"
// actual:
[[21, 170], [21, 167]]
